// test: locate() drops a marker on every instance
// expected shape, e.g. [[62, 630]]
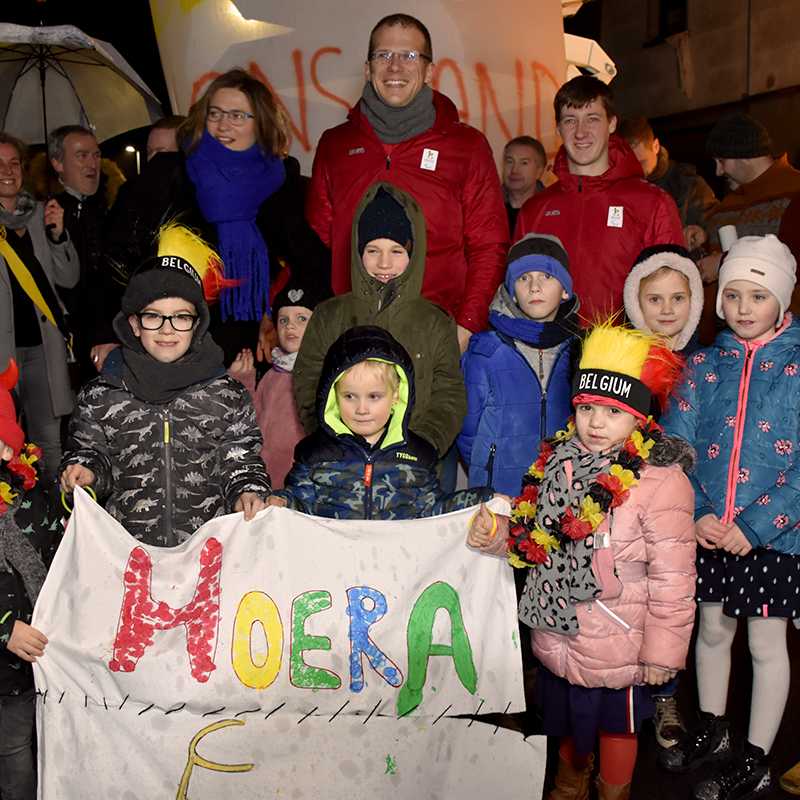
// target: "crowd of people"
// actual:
[[616, 354]]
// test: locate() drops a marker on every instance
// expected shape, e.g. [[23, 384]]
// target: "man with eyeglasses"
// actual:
[[404, 132]]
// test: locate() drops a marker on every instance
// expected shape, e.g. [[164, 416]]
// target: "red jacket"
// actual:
[[604, 222], [466, 220]]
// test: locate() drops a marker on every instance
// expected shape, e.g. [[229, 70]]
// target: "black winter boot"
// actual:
[[744, 777], [708, 740]]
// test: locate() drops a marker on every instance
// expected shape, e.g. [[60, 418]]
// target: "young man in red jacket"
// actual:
[[403, 132], [602, 208]]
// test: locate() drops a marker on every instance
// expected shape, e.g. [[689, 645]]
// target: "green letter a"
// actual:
[[421, 648]]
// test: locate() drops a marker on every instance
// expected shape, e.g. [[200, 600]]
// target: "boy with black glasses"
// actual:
[[165, 437]]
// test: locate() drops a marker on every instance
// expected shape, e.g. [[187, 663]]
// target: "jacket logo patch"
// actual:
[[356, 151], [406, 456], [615, 215], [553, 212], [429, 159]]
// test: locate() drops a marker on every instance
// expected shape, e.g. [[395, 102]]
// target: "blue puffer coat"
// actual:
[[739, 406], [508, 409]]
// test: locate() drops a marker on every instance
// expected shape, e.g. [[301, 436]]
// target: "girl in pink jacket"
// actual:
[[273, 398], [605, 525]]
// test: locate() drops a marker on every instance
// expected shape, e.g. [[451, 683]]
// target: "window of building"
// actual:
[[665, 18]]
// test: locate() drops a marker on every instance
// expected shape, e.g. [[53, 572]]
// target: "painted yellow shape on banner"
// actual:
[[196, 760], [257, 608]]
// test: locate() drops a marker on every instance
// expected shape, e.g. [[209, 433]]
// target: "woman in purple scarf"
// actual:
[[235, 183]]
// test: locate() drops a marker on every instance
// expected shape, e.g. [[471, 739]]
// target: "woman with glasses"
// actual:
[[35, 257], [233, 182]]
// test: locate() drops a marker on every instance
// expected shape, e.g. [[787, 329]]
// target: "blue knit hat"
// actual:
[[538, 252]]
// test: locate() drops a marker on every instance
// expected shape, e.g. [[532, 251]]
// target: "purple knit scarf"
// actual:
[[230, 186]]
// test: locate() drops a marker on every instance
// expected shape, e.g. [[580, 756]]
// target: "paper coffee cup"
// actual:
[[727, 237]]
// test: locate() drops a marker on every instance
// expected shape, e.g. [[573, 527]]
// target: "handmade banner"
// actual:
[[291, 656], [501, 69]]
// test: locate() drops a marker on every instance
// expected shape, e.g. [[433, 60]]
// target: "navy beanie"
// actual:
[[384, 218], [538, 252]]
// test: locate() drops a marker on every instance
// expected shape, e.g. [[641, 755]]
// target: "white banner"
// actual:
[[501, 66], [288, 657]]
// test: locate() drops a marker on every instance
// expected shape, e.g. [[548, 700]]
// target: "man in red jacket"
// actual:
[[403, 132], [601, 208]]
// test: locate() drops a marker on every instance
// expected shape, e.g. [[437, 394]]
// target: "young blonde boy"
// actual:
[[363, 462]]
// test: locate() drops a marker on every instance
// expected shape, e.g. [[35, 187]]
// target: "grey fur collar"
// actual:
[[673, 450]]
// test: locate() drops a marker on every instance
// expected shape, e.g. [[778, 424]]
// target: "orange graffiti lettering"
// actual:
[[488, 96], [200, 83], [448, 63], [519, 71], [302, 132], [315, 78], [538, 70]]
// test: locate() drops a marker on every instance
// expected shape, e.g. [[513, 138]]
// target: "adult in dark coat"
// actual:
[[232, 182]]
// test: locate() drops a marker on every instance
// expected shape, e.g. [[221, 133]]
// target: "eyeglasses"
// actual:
[[409, 57], [151, 321], [236, 118]]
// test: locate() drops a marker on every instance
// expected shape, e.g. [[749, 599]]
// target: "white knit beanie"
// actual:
[[764, 260]]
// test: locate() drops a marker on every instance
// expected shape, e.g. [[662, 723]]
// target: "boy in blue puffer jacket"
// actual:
[[740, 409], [519, 374]]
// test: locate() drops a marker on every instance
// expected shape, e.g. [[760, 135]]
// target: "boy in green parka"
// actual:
[[388, 264]]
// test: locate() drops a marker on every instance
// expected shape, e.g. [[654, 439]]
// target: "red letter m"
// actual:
[[141, 614]]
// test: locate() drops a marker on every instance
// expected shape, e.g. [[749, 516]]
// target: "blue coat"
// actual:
[[507, 407], [739, 406]]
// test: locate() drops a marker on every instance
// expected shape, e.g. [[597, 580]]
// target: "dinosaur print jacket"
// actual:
[[164, 470]]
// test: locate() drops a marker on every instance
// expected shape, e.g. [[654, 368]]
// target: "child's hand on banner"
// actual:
[[274, 500], [482, 529], [250, 503], [76, 475], [26, 642]]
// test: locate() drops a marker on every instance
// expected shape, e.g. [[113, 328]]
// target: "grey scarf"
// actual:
[[17, 551], [21, 215], [394, 124], [552, 589]]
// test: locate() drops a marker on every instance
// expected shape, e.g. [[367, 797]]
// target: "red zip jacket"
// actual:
[[466, 221], [604, 222]]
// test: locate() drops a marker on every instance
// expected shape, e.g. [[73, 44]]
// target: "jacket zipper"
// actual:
[[388, 163], [738, 431], [368, 468], [167, 450], [543, 400], [490, 465]]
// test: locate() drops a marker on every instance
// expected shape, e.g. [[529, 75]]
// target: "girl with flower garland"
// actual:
[[28, 538], [604, 524]]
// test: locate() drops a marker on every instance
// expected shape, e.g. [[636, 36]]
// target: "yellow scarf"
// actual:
[[23, 276]]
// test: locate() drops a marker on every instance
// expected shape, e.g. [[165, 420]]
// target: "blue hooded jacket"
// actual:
[[509, 411], [739, 406]]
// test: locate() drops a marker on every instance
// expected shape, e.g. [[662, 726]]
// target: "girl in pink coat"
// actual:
[[605, 525], [273, 398]]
